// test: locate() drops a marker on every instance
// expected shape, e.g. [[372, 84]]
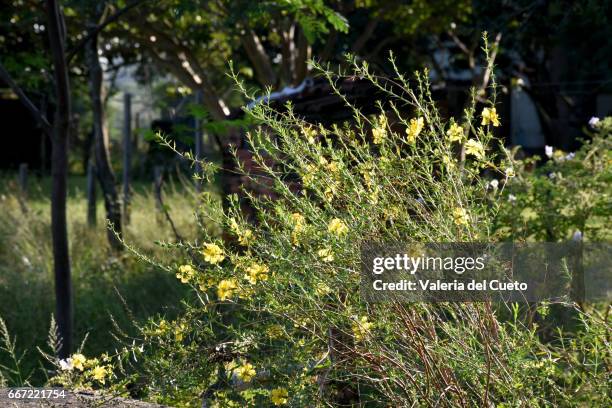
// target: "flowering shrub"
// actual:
[[569, 196], [278, 319]]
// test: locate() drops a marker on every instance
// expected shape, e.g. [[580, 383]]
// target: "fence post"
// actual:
[[158, 179], [91, 194], [127, 154], [198, 144], [23, 179]]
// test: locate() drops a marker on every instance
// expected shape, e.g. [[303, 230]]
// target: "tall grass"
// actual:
[[105, 284]]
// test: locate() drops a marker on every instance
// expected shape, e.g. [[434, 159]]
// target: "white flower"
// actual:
[[577, 236], [494, 184], [552, 176], [593, 121], [548, 151], [511, 198], [66, 365], [570, 156]]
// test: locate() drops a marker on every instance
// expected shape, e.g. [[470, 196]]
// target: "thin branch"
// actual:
[[366, 34], [95, 31], [36, 113]]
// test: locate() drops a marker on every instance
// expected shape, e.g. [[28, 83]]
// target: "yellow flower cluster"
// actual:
[[245, 236], [378, 135], [99, 373], [361, 328], [490, 116], [475, 148], [179, 331], [379, 132], [185, 273], [326, 254], [213, 253], [460, 216], [309, 174], [454, 133], [299, 223], [246, 372], [226, 289], [337, 227], [413, 130], [279, 396], [256, 272], [78, 361], [91, 368]]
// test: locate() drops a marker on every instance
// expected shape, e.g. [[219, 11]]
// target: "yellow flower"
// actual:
[[309, 174], [275, 331], [475, 148], [489, 116], [510, 172], [161, 328], [78, 360], [448, 161], [378, 135], [257, 272], [310, 134], [337, 226], [361, 328], [245, 237], [205, 283], [460, 216], [330, 192], [245, 372], [454, 133], [326, 254], [332, 166], [279, 396], [212, 253], [179, 332], [413, 130], [185, 273], [99, 373], [322, 289], [226, 288], [298, 220]]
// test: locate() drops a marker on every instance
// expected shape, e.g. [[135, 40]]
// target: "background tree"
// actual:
[[59, 131]]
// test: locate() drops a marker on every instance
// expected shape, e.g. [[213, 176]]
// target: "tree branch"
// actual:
[[258, 57], [95, 31], [36, 113], [367, 32]]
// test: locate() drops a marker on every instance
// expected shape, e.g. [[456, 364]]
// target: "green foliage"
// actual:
[[569, 194]]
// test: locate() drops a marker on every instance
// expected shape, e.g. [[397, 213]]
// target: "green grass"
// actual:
[[101, 279]]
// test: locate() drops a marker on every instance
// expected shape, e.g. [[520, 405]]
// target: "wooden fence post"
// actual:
[[158, 179], [198, 144], [91, 194], [23, 179], [127, 154]]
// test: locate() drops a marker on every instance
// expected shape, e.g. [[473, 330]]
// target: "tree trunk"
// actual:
[[59, 174], [127, 155], [103, 166]]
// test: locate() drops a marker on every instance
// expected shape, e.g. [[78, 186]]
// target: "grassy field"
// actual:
[[101, 279]]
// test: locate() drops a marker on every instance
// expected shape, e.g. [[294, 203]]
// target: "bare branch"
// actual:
[[95, 31], [36, 113], [365, 35], [259, 58]]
